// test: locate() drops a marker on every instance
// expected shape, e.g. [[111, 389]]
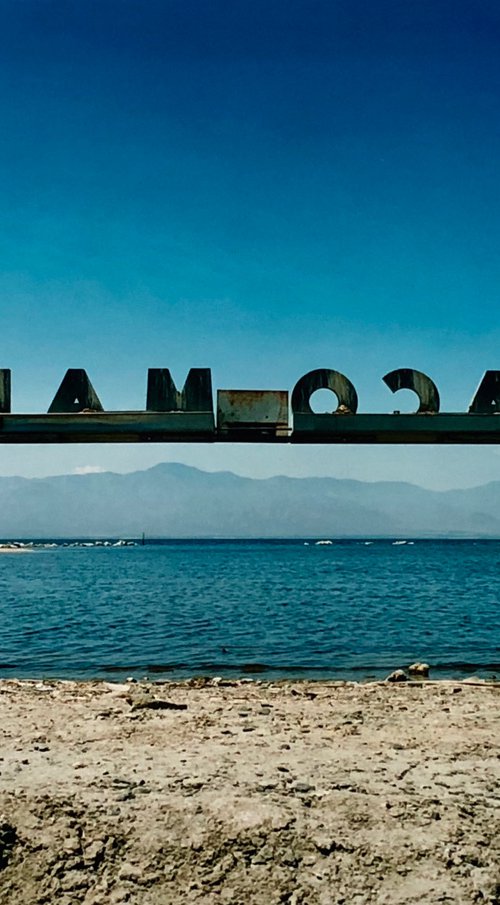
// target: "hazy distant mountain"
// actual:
[[172, 500]]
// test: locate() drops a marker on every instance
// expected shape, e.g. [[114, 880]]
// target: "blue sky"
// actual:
[[258, 187]]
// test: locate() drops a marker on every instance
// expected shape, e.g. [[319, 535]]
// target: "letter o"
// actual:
[[323, 379]]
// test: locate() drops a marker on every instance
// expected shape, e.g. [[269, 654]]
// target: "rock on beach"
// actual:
[[419, 669]]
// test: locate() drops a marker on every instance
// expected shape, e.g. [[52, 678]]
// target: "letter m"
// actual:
[[195, 396]]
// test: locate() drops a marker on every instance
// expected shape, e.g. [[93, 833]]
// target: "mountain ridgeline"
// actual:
[[172, 500]]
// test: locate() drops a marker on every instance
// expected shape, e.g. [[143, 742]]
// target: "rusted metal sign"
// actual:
[[76, 414], [244, 410]]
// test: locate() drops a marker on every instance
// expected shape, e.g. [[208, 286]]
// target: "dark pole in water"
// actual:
[[143, 539]]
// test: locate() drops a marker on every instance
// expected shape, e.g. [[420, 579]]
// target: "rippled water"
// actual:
[[242, 608]]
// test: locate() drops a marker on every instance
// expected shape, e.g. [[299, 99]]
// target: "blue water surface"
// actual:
[[263, 608]]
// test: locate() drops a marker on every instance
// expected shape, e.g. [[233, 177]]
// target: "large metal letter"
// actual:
[[75, 394], [195, 396], [4, 391], [487, 398], [423, 386], [324, 379]]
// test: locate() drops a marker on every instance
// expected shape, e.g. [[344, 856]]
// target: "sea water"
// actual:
[[267, 609]]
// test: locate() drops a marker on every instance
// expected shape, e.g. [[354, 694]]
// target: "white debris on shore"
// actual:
[[28, 547]]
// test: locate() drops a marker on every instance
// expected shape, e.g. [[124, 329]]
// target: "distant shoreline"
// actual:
[[311, 539], [16, 550]]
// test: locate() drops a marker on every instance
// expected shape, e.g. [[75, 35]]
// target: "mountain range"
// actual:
[[173, 500]]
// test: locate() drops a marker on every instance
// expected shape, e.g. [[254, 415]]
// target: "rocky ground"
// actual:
[[250, 792]]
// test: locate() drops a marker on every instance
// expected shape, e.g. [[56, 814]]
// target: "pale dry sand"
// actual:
[[16, 550], [255, 793]]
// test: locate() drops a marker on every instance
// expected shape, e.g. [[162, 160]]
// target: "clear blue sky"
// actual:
[[262, 187]]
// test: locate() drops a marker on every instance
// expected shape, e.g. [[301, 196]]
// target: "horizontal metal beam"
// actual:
[[109, 427], [200, 427], [397, 428]]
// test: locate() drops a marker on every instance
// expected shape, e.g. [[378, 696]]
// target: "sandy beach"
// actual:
[[5, 549], [214, 792]]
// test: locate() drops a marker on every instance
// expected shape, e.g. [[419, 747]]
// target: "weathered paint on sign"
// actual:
[[252, 410]]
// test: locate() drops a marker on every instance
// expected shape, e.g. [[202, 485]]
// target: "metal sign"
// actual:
[[76, 414]]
